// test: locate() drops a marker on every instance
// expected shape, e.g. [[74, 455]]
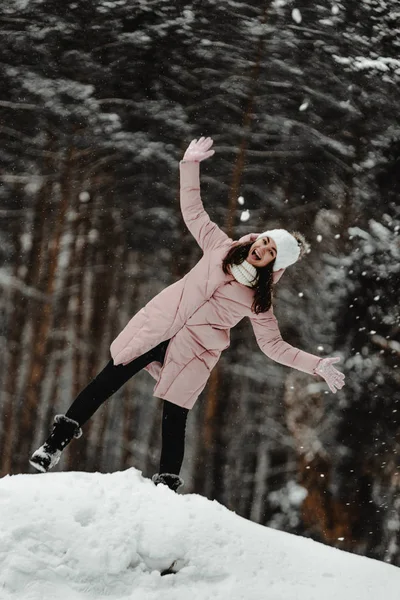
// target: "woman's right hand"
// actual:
[[199, 150]]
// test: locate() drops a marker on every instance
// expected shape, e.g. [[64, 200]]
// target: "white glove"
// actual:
[[333, 377], [198, 150]]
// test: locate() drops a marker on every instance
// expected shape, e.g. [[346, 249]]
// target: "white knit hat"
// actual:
[[287, 247]]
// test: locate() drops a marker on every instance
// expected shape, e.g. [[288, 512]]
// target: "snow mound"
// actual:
[[84, 536]]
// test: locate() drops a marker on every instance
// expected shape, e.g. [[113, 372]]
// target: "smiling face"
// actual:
[[262, 252]]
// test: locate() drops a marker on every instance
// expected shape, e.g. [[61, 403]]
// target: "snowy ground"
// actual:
[[74, 536]]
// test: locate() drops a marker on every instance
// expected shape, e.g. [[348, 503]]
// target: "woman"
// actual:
[[180, 334]]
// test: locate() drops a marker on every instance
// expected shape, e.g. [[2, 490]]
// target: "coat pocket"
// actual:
[[192, 379], [209, 337]]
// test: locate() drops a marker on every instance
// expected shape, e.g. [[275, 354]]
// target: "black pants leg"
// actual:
[[173, 438], [107, 382], [111, 379]]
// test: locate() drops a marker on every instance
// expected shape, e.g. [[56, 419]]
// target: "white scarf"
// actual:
[[245, 273]]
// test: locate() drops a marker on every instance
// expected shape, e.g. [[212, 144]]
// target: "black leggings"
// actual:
[[110, 379]]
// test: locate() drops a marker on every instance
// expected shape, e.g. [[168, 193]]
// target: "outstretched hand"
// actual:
[[199, 150], [333, 377]]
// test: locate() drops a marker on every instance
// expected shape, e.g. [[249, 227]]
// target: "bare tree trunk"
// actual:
[[58, 341], [114, 326], [128, 416], [78, 309], [42, 326], [260, 482], [326, 517], [91, 316], [103, 283], [8, 416], [207, 464], [21, 318], [153, 440]]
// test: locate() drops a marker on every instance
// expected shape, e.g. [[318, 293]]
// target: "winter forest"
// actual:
[[98, 100]]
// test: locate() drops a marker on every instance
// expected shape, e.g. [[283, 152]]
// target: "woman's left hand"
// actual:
[[333, 377], [199, 150]]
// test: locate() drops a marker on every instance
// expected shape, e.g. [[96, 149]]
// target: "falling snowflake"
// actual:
[[245, 216], [296, 15], [84, 196]]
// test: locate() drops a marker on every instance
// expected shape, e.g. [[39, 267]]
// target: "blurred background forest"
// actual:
[[98, 99]]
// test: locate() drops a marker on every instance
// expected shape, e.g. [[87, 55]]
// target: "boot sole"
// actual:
[[37, 466]]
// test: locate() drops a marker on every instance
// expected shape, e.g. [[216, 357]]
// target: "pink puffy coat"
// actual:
[[197, 313]]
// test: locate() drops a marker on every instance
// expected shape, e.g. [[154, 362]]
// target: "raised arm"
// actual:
[[207, 234], [269, 339]]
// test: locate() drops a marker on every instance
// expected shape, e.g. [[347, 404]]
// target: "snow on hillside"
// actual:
[[85, 536]]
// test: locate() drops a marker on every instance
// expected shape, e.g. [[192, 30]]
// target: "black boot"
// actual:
[[169, 479], [48, 455]]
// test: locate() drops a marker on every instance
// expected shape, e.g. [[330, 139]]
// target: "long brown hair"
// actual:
[[263, 283]]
